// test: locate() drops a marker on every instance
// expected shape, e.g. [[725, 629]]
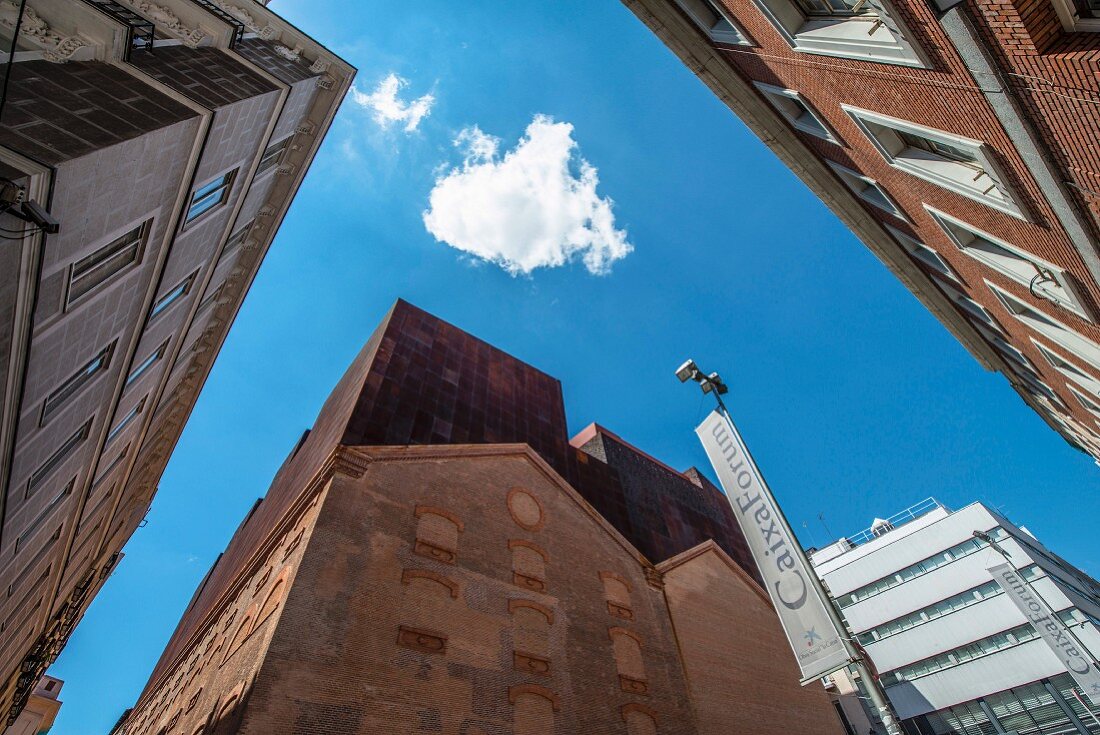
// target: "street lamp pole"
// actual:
[[712, 383]]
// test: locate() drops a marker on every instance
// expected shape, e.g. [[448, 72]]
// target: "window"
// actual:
[[273, 155], [91, 272], [236, 239], [72, 385], [1090, 405], [178, 291], [868, 30], [132, 414], [42, 516], [920, 568], [710, 16], [962, 165], [210, 298], [1070, 370], [209, 196], [1045, 280], [797, 111], [938, 609], [147, 363], [962, 654], [923, 254], [1079, 15], [973, 311], [866, 189], [54, 461], [1049, 327]]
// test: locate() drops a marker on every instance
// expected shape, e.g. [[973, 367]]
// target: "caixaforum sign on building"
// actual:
[[792, 585]]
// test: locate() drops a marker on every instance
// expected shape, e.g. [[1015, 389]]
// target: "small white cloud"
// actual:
[[536, 206], [386, 108]]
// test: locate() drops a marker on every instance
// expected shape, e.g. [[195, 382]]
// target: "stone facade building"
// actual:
[[148, 153], [957, 139], [432, 557]]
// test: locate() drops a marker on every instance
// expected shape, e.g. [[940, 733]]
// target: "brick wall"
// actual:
[[1055, 74], [731, 642], [469, 589]]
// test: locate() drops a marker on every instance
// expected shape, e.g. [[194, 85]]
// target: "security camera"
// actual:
[[716, 380], [35, 213], [687, 371]]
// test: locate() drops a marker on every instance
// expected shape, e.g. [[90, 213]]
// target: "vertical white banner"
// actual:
[[817, 643], [1078, 661]]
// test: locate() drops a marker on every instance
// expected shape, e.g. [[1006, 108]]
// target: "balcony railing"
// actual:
[[141, 32]]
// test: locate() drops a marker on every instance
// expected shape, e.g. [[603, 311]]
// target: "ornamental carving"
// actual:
[[56, 47], [620, 611], [632, 685], [423, 548], [528, 583], [320, 66], [242, 15], [165, 18], [421, 640], [531, 664], [288, 53]]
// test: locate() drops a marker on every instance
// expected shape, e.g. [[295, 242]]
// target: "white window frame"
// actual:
[[1066, 295], [853, 179], [951, 175], [923, 254], [1072, 20], [1049, 327], [972, 310], [817, 126], [1089, 404], [737, 37], [1070, 370], [881, 38]]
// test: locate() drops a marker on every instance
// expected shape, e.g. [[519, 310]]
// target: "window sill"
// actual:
[[956, 177]]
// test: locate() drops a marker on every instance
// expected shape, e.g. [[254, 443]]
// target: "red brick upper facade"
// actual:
[[431, 583], [958, 140], [469, 589]]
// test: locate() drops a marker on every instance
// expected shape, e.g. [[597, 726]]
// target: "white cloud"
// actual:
[[386, 108], [536, 206]]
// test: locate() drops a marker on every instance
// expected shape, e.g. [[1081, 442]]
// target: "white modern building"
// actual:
[[953, 652]]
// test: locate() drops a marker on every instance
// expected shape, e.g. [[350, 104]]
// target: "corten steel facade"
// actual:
[[958, 140], [167, 141], [436, 584]]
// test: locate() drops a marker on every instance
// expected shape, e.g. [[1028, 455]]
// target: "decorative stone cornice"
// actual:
[[56, 47], [166, 19]]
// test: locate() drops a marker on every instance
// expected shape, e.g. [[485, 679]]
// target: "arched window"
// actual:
[[531, 636], [437, 533], [294, 541], [639, 719], [533, 709], [243, 631], [262, 580], [427, 600], [274, 597], [627, 647], [528, 565], [617, 589]]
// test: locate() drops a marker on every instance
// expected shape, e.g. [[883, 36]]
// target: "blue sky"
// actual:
[[855, 401]]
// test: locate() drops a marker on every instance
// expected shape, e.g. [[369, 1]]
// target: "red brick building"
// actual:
[[959, 139], [432, 557]]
